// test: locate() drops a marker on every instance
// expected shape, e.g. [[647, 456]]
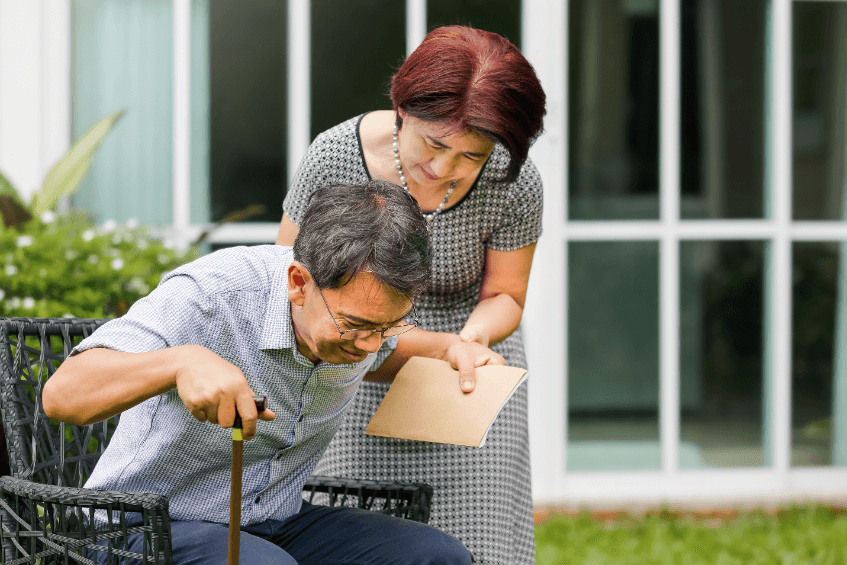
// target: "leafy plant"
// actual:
[[62, 264]]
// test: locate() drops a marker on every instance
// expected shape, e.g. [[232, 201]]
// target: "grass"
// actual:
[[813, 535]]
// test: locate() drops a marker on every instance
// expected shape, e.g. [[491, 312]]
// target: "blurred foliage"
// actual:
[[62, 265], [811, 535]]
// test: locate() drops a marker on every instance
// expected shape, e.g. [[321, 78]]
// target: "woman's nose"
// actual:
[[441, 165]]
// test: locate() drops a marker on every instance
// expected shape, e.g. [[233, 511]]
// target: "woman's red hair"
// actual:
[[473, 80]]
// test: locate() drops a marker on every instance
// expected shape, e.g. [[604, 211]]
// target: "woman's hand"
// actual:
[[471, 334], [466, 357]]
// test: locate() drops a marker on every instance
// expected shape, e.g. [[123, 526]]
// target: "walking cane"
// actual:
[[235, 489]]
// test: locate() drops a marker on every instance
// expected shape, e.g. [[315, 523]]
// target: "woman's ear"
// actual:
[[298, 276]]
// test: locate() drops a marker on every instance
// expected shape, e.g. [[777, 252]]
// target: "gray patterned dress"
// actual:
[[482, 496]]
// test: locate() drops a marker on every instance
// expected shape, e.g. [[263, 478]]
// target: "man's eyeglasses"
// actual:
[[365, 333]]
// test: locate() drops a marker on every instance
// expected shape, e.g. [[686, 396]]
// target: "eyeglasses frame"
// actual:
[[371, 332]]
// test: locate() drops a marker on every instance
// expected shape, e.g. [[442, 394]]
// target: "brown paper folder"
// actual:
[[425, 403]]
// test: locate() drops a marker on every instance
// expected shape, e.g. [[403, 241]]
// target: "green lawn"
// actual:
[[797, 536]]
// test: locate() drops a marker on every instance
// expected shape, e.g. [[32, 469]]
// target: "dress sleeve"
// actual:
[[521, 224], [308, 178]]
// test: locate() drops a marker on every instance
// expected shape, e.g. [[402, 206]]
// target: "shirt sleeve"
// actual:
[[173, 314], [522, 221]]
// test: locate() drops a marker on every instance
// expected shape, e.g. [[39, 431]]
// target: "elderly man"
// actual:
[[299, 325]]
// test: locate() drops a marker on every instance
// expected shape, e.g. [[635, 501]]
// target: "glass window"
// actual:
[[721, 355], [613, 355], [613, 88], [123, 60], [499, 16], [820, 110], [357, 45], [722, 109], [819, 373], [247, 59]]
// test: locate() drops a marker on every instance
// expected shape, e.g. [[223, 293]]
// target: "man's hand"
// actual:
[[211, 388], [467, 356]]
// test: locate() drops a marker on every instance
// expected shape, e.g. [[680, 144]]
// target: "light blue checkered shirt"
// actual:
[[235, 303]]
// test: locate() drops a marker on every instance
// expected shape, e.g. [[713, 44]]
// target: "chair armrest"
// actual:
[[72, 496], [403, 499], [38, 521]]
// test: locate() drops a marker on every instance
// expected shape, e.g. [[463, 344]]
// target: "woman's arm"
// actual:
[[288, 231], [502, 296]]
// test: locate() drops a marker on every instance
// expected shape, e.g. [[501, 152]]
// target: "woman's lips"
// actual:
[[428, 175]]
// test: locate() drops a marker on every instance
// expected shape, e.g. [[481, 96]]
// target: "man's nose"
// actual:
[[371, 343]]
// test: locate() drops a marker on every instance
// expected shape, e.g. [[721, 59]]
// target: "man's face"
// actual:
[[362, 303]]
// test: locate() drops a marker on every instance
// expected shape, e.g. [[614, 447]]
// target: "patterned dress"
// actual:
[[482, 495]]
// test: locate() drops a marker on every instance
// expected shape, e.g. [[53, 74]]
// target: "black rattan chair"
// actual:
[[45, 514]]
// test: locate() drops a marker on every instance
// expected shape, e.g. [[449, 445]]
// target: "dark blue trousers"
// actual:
[[317, 535]]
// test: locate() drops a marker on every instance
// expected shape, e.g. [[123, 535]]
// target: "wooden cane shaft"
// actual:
[[235, 501]]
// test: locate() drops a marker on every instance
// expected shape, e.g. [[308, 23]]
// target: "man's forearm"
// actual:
[[99, 383]]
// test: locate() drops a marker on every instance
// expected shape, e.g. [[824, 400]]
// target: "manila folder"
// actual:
[[425, 402]]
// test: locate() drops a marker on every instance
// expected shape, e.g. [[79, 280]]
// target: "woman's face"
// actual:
[[432, 156]]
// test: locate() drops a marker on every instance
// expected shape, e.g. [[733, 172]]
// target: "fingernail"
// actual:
[[467, 385]]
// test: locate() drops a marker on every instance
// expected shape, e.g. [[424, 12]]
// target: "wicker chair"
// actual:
[[45, 514]]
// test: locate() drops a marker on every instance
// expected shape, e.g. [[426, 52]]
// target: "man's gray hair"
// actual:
[[375, 227]]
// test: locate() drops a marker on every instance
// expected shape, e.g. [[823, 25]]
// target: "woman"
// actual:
[[467, 106]]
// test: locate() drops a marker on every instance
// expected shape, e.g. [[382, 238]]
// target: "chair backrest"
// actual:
[[40, 449]]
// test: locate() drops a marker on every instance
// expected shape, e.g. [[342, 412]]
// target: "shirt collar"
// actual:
[[277, 329]]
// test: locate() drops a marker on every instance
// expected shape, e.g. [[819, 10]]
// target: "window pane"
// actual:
[[614, 109], [722, 108], [721, 355], [247, 57], [819, 373], [499, 16], [356, 47], [820, 110], [613, 355], [123, 60]]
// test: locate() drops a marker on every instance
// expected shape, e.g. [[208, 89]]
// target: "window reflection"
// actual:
[[820, 110], [722, 109], [613, 355], [721, 355], [613, 87]]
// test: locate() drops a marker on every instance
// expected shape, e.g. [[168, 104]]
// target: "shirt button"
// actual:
[[258, 498]]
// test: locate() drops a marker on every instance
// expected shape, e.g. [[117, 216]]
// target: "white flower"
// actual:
[[67, 315], [29, 302], [163, 259], [142, 244], [70, 254], [14, 302], [48, 217], [93, 259], [109, 225], [88, 235], [118, 264], [11, 270], [24, 240], [2, 294], [132, 223]]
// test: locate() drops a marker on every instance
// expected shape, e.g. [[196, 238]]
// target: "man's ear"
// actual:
[[298, 277]]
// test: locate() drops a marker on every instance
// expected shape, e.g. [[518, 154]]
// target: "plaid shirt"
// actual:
[[234, 302]]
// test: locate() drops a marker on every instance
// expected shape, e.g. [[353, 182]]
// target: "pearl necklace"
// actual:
[[429, 217]]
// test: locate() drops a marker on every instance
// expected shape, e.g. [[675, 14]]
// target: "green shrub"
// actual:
[[63, 265]]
